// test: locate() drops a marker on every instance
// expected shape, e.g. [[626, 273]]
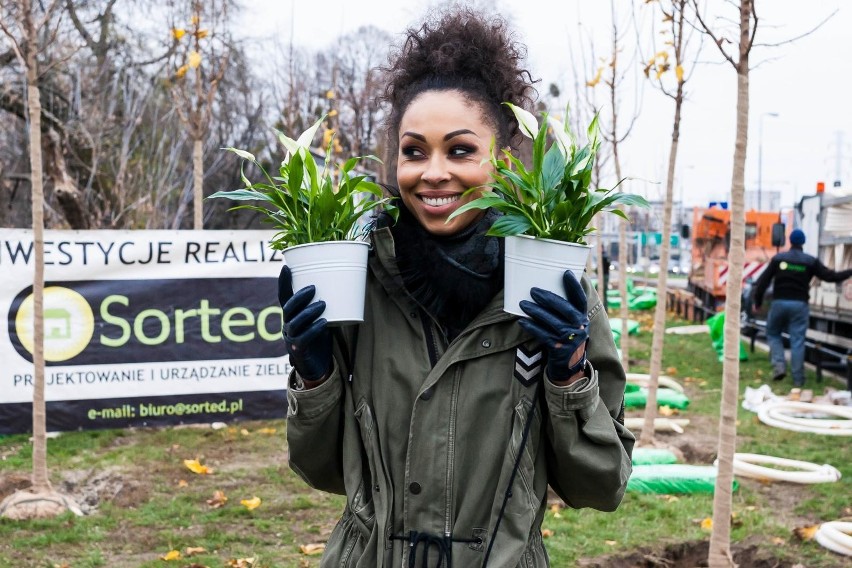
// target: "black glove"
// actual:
[[306, 335], [561, 325]]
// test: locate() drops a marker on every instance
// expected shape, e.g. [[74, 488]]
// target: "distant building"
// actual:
[[770, 200]]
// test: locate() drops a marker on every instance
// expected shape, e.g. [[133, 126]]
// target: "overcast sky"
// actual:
[[807, 83]]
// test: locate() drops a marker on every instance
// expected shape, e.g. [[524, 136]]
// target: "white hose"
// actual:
[[834, 536], [688, 329], [642, 380], [660, 424], [789, 416], [745, 465]]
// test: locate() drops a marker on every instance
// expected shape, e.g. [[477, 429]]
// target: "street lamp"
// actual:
[[760, 160]]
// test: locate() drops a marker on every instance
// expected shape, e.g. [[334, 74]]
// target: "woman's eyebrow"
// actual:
[[414, 135], [455, 133], [447, 136]]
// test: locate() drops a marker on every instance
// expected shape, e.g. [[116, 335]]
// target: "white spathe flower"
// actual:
[[303, 142], [242, 154], [528, 122], [564, 139]]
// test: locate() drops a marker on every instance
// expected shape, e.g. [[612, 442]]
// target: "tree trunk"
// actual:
[[64, 187], [647, 436], [41, 482], [623, 259], [601, 260], [198, 184], [719, 555]]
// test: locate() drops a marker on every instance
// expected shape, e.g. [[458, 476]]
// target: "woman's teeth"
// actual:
[[438, 201]]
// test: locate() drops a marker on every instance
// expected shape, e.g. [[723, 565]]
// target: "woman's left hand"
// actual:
[[562, 326]]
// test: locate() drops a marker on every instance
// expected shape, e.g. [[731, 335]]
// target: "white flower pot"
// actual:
[[541, 263], [338, 269]]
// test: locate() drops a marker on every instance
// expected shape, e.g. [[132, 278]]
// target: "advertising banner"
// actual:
[[143, 328]]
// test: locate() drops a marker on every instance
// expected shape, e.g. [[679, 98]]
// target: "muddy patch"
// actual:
[[685, 555]]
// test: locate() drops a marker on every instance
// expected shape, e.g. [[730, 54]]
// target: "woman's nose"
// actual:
[[436, 171]]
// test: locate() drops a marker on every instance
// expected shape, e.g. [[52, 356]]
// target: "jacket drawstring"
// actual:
[[444, 544]]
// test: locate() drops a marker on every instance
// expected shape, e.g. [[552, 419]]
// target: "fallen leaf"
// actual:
[[193, 550], [671, 370], [610, 542], [707, 524], [219, 499], [665, 410], [546, 533], [196, 565], [805, 533], [777, 540], [183, 483], [311, 549], [242, 562], [554, 509], [244, 432], [671, 498], [171, 555], [266, 431], [61, 566], [195, 467], [251, 504]]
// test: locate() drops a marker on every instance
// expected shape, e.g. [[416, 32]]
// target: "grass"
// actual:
[[149, 503]]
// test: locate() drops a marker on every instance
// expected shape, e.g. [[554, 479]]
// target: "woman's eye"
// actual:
[[411, 152], [461, 150]]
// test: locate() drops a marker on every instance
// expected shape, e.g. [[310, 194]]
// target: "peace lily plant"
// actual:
[[547, 207], [319, 218], [306, 204], [553, 198]]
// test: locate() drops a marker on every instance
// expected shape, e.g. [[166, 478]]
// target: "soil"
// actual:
[[687, 555]]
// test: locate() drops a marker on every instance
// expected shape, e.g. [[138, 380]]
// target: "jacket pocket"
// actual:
[[361, 502], [526, 467], [535, 555], [345, 545]]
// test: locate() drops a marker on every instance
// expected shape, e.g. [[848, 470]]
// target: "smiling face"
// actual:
[[443, 139]]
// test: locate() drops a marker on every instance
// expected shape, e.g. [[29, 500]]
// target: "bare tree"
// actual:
[[199, 65], [616, 133], [40, 500], [719, 554], [657, 69]]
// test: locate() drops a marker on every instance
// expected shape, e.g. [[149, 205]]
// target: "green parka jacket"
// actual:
[[422, 435]]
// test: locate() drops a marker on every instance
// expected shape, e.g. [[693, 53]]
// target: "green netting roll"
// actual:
[[653, 456], [674, 478], [665, 397], [642, 302]]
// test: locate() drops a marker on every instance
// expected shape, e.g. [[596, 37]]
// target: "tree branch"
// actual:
[[709, 32]]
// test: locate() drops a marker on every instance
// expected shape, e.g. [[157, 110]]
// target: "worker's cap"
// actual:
[[797, 237]]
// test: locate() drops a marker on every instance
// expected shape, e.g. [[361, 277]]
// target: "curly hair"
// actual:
[[459, 49]]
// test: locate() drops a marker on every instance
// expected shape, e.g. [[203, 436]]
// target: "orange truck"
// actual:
[[711, 233]]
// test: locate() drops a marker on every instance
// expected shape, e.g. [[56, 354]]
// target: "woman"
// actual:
[[442, 418]]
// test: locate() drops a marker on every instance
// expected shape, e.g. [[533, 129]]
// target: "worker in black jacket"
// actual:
[[792, 271]]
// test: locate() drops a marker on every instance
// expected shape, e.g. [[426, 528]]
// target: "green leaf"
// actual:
[[509, 225], [241, 195]]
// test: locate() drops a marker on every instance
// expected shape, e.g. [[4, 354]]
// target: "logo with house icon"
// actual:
[[69, 323]]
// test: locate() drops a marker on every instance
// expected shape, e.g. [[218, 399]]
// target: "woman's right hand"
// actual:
[[306, 334]]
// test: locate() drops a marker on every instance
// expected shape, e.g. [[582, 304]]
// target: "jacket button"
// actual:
[[413, 315], [427, 394], [486, 343], [415, 488]]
